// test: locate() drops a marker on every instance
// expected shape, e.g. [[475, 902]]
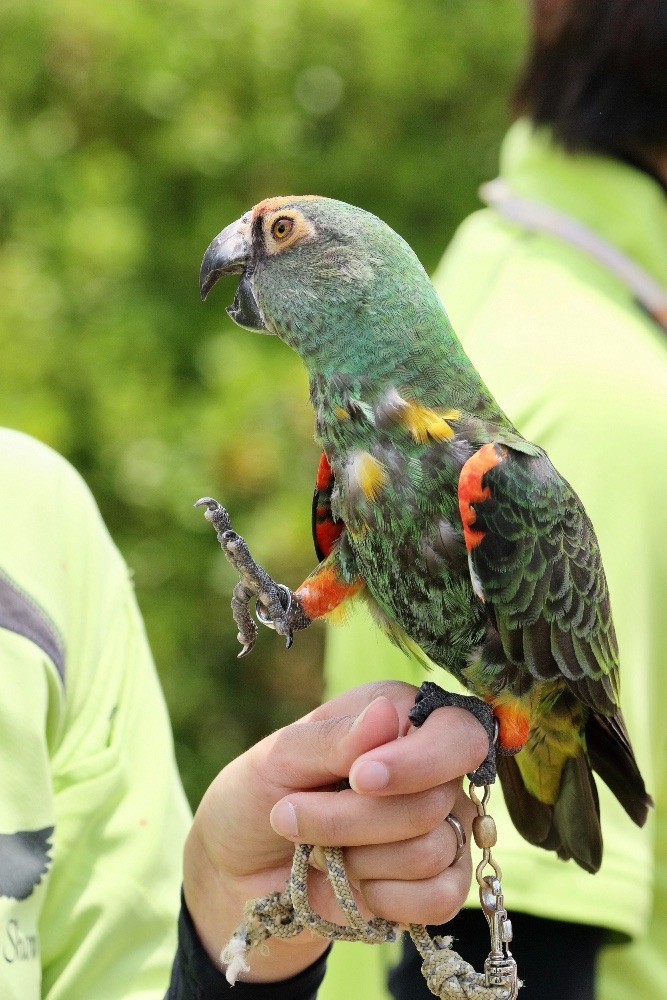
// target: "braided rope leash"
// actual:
[[286, 914]]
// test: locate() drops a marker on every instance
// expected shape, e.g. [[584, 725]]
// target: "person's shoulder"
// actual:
[[53, 540], [537, 303], [560, 342], [492, 262], [27, 463], [19, 447], [470, 264], [37, 479]]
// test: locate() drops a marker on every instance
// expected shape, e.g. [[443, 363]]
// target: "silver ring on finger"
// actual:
[[461, 839]]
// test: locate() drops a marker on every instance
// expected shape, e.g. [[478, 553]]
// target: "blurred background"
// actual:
[[130, 134]]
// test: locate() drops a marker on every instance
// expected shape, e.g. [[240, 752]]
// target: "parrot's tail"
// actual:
[[571, 824], [551, 794]]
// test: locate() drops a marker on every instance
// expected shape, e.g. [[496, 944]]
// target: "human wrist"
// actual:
[[195, 975], [216, 900]]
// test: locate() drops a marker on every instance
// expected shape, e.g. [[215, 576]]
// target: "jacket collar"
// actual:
[[624, 204]]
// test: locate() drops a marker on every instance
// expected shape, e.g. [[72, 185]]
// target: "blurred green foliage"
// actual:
[[130, 133]]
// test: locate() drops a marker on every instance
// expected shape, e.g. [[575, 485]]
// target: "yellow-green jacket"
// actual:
[[92, 814]]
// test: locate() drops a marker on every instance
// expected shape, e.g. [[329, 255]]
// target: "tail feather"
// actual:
[[532, 818], [577, 815], [612, 758], [571, 826], [550, 791]]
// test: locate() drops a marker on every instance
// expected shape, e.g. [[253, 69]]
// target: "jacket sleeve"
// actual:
[[91, 803], [195, 977]]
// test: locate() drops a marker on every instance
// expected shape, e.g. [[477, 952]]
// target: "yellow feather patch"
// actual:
[[369, 473], [449, 414], [342, 413], [339, 615], [424, 423]]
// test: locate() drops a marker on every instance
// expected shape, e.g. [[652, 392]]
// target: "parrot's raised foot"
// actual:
[[430, 696], [275, 607]]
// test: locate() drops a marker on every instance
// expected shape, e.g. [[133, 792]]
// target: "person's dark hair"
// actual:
[[597, 74]]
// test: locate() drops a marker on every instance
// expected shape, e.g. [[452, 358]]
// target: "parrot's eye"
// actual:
[[282, 228]]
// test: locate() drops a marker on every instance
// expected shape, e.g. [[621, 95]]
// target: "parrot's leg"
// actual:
[[277, 606], [326, 588], [430, 696]]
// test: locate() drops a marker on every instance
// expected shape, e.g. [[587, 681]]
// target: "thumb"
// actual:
[[313, 754]]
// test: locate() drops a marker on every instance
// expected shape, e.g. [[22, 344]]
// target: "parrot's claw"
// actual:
[[430, 696], [275, 607], [264, 618], [215, 513], [275, 612]]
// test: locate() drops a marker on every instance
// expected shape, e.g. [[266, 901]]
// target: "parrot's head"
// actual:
[[329, 279]]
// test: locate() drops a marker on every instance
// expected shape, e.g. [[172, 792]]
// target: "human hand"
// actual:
[[391, 821]]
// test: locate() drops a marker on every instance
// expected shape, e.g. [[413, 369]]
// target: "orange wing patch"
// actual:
[[326, 531], [324, 477], [472, 491]]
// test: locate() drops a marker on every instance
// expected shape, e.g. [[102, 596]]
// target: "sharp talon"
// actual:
[[246, 649], [289, 640], [214, 512]]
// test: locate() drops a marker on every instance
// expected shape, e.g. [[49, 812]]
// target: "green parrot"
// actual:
[[467, 544]]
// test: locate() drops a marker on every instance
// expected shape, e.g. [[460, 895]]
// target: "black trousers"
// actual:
[[556, 960]]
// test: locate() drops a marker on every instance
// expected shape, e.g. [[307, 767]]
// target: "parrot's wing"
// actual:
[[326, 529], [535, 561]]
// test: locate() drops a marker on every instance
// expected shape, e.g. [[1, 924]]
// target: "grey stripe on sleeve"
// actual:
[[20, 613]]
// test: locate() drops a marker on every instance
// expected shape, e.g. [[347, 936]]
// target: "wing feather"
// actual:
[[534, 552]]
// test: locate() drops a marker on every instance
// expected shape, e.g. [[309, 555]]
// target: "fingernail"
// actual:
[[283, 820], [361, 717], [369, 776]]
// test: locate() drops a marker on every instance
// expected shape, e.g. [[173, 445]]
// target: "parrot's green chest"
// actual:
[[400, 508]]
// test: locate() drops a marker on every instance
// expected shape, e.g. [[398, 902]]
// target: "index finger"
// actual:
[[451, 743]]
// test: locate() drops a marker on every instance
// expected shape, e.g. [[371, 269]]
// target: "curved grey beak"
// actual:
[[229, 253]]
